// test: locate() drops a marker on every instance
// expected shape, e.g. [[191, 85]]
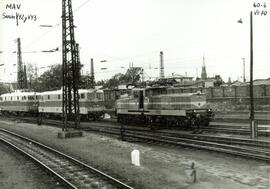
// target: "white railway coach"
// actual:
[[91, 103], [19, 103]]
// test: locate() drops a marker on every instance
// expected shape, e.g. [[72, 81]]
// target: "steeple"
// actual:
[[203, 74]]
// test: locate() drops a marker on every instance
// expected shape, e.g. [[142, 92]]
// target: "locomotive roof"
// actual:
[[179, 94]]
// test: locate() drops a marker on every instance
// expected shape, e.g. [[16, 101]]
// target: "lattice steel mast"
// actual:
[[70, 68]]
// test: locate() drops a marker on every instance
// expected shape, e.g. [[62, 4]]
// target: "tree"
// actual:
[[114, 81], [32, 77], [132, 76], [3, 89], [85, 81], [218, 81], [100, 83], [50, 80]]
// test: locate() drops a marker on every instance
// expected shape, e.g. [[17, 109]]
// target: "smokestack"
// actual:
[[92, 74], [92, 68], [20, 73], [161, 74]]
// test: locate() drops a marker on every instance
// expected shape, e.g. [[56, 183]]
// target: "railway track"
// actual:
[[236, 128], [257, 149], [70, 172], [216, 127]]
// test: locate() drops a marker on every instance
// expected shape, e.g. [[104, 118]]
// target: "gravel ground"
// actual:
[[161, 167], [17, 172]]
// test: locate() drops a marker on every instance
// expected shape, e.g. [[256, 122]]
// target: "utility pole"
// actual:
[[70, 69], [253, 124], [252, 121], [244, 70]]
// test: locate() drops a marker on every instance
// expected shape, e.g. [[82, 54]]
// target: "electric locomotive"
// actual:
[[182, 110]]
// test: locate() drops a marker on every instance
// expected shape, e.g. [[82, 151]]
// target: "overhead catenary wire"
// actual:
[[54, 26]]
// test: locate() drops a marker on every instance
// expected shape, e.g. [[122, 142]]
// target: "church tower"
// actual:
[[203, 74]]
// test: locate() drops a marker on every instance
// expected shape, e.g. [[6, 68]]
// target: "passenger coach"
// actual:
[[19, 103], [91, 103]]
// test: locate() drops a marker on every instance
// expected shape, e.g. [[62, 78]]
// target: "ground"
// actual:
[[161, 166], [17, 172]]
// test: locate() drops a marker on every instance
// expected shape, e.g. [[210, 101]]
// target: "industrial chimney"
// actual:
[[161, 74], [92, 74], [203, 74]]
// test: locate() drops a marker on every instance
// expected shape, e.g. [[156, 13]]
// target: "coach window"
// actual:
[[59, 96], [82, 96], [98, 95], [90, 96], [48, 97], [11, 98]]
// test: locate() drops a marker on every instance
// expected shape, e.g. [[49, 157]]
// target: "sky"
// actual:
[[125, 32]]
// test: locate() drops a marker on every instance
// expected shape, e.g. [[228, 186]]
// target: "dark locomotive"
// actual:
[[178, 110]]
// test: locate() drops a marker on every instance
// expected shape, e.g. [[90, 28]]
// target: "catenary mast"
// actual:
[[70, 69]]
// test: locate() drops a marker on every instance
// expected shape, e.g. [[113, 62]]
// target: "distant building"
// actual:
[[261, 82], [255, 82], [180, 78]]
